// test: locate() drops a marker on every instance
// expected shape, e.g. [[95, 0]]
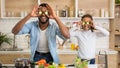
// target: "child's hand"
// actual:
[[92, 24]]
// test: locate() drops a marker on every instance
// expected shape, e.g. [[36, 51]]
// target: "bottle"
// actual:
[[81, 13], [65, 11], [106, 14], [71, 12], [102, 12], [57, 11]]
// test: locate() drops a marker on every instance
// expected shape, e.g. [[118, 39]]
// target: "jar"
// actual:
[[64, 13]]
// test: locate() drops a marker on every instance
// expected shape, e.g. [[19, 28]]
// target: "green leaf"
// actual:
[[5, 38]]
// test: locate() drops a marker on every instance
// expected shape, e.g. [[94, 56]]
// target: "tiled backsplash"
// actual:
[[6, 26]]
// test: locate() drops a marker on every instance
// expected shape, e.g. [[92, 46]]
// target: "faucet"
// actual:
[[14, 47], [28, 39]]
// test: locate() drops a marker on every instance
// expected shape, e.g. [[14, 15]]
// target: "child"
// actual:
[[87, 36]]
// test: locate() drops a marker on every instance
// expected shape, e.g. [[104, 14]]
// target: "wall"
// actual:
[[0, 8], [7, 24]]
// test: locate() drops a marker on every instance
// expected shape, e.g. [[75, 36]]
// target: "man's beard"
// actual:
[[44, 21]]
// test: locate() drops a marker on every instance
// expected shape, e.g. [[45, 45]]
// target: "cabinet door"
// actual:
[[117, 27], [10, 58], [63, 5], [112, 60], [97, 8], [67, 58], [16, 8]]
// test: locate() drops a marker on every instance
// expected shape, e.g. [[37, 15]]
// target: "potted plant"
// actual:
[[117, 1], [5, 38]]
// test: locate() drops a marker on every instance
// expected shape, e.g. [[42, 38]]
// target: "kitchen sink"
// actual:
[[11, 49]]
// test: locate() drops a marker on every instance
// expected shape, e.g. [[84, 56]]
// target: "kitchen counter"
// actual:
[[8, 57], [89, 66], [60, 51], [69, 51], [24, 51]]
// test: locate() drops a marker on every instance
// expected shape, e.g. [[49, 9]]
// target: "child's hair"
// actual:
[[89, 16], [86, 15]]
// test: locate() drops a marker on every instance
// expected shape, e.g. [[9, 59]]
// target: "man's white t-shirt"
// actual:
[[43, 42]]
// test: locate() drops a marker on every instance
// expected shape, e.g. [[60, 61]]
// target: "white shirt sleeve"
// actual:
[[73, 32], [101, 31]]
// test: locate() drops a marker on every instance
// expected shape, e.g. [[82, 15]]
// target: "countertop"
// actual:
[[89, 66], [60, 51]]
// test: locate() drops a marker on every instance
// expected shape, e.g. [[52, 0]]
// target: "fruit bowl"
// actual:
[[43, 64]]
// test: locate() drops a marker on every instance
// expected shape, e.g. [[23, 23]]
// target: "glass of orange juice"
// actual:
[[72, 46]]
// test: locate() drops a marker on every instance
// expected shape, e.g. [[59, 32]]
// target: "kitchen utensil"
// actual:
[[102, 59]]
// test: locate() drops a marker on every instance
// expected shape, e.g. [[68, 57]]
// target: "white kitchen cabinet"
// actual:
[[115, 31], [15, 8]]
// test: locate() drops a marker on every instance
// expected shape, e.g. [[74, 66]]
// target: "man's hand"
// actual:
[[52, 14], [34, 11]]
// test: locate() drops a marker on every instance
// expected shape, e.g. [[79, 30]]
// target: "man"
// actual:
[[42, 32], [87, 34]]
